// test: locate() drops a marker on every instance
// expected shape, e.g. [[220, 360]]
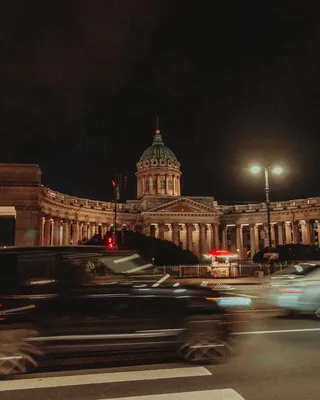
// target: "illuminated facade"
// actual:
[[45, 217]]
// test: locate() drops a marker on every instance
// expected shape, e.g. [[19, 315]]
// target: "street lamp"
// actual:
[[276, 170]]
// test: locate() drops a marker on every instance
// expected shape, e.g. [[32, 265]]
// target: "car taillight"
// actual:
[[290, 290]]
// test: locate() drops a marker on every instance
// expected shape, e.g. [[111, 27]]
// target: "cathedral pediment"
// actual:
[[182, 205]]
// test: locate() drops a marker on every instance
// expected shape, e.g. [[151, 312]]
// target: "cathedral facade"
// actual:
[[44, 217]]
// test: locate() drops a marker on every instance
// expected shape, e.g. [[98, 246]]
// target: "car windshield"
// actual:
[[297, 269], [100, 266]]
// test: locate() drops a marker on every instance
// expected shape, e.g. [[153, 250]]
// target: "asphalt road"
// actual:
[[277, 358]]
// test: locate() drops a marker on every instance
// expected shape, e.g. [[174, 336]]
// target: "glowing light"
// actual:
[[255, 169], [277, 170]]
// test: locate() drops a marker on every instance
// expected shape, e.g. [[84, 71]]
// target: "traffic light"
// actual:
[[110, 243]]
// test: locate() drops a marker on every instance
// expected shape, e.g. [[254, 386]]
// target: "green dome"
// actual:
[[158, 150]]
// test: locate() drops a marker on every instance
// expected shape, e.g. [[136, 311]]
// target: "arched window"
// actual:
[[147, 184]]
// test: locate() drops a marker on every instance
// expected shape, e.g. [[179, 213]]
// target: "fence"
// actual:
[[202, 271]]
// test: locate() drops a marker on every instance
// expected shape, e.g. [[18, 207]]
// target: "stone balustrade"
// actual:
[[62, 199], [274, 206]]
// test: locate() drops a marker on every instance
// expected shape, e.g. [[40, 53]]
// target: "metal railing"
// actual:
[[204, 271]]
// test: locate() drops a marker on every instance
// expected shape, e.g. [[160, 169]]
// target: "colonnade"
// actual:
[[244, 238], [65, 232], [165, 184], [198, 238]]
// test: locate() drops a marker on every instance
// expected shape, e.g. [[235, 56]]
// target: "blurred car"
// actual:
[[296, 288], [70, 301]]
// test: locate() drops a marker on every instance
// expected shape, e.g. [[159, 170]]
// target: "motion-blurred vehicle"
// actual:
[[296, 288], [79, 301]]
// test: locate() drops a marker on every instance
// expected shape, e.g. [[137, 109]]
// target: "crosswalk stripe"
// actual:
[[217, 394], [109, 377]]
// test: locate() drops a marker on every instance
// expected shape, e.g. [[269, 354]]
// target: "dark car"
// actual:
[[82, 300]]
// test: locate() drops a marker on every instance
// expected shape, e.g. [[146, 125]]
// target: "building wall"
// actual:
[[47, 217]]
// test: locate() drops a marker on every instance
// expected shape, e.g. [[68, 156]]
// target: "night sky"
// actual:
[[232, 82]]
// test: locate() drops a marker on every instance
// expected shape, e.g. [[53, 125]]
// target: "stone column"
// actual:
[[288, 232], [307, 232], [75, 228], [89, 230], [47, 231], [93, 229], [273, 235], [167, 185], [189, 236], [195, 237], [209, 237], [150, 184], [256, 237], [280, 232], [55, 232], [66, 233], [239, 238], [41, 231], [104, 229], [216, 236], [60, 234], [84, 230], [252, 240], [202, 239], [224, 233]]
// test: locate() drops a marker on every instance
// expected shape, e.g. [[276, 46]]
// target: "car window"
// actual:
[[101, 267], [37, 268], [9, 276]]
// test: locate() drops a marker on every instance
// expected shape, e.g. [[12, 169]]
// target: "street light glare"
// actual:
[[277, 170], [255, 169]]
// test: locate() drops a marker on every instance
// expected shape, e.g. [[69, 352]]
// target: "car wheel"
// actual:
[[16, 353], [203, 344]]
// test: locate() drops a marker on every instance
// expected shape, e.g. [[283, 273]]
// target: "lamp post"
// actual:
[[277, 170]]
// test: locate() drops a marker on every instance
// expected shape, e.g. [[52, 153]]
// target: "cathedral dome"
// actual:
[[158, 150], [158, 170]]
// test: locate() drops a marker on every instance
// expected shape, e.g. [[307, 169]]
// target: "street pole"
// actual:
[[267, 189], [115, 217]]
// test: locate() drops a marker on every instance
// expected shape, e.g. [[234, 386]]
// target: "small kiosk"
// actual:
[[222, 264]]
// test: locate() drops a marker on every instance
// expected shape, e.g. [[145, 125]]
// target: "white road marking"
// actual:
[[139, 268], [217, 394], [120, 260], [277, 331], [109, 377], [164, 278]]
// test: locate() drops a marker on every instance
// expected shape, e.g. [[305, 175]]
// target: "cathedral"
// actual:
[[44, 217]]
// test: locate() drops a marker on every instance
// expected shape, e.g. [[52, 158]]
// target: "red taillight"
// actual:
[[290, 290]]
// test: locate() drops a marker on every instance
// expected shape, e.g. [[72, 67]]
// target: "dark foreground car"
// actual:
[[71, 301]]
